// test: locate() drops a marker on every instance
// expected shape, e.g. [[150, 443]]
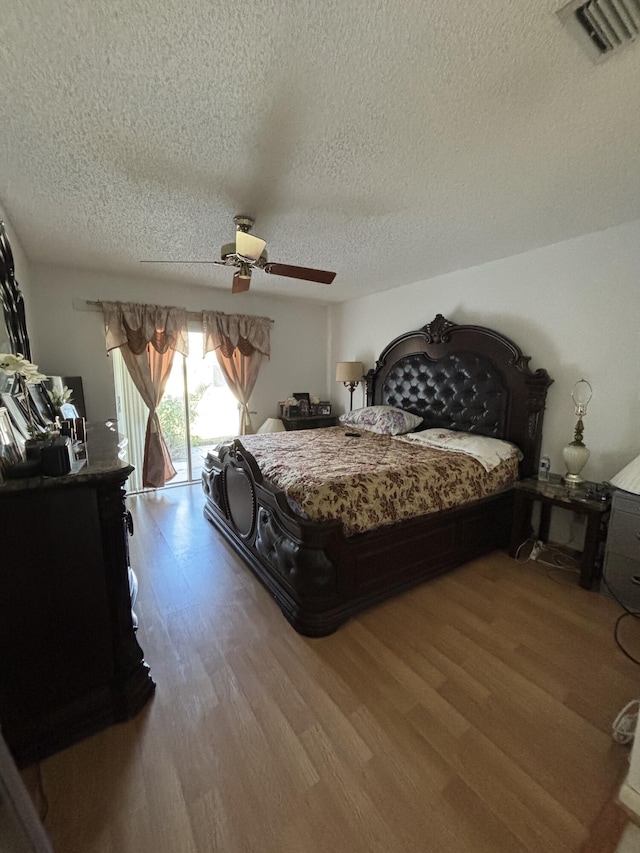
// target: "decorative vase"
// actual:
[[575, 457], [33, 449]]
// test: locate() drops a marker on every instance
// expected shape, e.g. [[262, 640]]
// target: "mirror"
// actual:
[[14, 335], [13, 332]]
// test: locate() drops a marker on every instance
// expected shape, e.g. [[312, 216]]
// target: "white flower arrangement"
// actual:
[[18, 365], [59, 398], [27, 374]]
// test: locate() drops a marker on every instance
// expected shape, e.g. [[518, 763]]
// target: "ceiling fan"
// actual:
[[247, 253]]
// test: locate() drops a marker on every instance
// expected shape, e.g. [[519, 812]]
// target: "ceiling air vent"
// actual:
[[602, 27]]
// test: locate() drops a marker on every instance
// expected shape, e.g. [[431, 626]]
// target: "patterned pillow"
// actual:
[[383, 419]]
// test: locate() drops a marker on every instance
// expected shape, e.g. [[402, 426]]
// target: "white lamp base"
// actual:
[[575, 458]]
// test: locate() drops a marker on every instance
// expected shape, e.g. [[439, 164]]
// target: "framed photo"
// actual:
[[18, 416], [42, 403], [68, 410], [292, 411], [324, 408], [9, 448], [304, 404]]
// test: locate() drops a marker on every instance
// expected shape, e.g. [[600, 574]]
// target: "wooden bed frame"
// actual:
[[456, 376]]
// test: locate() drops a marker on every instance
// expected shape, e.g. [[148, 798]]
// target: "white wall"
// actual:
[[71, 342], [573, 307]]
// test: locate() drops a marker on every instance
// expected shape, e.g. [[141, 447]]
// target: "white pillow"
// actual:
[[386, 420], [490, 452]]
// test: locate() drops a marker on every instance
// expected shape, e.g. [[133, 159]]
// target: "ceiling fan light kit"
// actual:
[[247, 245], [248, 253]]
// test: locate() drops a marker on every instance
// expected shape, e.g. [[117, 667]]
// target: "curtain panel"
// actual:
[[148, 337], [240, 343]]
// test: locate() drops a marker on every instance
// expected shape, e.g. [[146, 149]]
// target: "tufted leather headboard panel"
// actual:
[[464, 377], [460, 391]]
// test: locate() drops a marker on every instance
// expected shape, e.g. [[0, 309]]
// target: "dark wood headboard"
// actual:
[[467, 378]]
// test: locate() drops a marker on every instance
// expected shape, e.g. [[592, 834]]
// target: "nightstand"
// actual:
[[310, 422], [553, 492]]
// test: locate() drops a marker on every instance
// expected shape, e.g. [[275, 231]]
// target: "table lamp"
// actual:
[[575, 454], [350, 374]]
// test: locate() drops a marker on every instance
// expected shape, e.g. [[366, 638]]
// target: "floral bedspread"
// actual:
[[372, 480]]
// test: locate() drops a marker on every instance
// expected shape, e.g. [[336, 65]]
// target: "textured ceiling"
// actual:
[[388, 141]]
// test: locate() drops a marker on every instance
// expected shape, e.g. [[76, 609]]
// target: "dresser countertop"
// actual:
[[104, 457]]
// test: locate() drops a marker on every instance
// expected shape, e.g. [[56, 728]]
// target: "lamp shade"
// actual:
[[629, 478], [272, 425], [349, 371]]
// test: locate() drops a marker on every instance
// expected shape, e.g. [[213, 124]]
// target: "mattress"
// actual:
[[370, 480]]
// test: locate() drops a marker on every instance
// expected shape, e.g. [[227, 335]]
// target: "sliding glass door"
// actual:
[[196, 412]]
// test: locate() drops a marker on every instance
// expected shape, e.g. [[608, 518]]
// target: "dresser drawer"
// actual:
[[624, 535], [617, 580], [626, 504]]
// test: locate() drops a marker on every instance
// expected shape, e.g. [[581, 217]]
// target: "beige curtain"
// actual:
[[148, 337], [240, 343]]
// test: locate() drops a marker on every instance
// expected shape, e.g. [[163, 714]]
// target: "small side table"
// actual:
[[553, 492]]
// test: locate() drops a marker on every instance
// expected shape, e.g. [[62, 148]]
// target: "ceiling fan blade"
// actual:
[[304, 273], [240, 283], [220, 263], [248, 246]]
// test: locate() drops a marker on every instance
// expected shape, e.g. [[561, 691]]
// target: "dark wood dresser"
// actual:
[[70, 663]]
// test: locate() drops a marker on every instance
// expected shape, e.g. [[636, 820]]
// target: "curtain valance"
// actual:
[[228, 332], [139, 325], [148, 336]]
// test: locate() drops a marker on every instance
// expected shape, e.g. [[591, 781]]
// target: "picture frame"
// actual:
[[324, 408], [68, 410], [10, 452], [304, 403], [28, 407], [42, 403], [18, 416]]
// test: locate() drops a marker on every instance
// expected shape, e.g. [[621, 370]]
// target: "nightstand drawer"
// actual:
[[624, 535]]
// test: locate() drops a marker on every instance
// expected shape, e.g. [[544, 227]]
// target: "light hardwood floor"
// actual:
[[471, 714]]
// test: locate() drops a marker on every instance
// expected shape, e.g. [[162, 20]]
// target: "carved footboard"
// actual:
[[318, 576], [297, 560]]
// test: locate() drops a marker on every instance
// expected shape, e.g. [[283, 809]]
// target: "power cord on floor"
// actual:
[[558, 559], [624, 725]]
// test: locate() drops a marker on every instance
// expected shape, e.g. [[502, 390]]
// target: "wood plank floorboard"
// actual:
[[470, 714]]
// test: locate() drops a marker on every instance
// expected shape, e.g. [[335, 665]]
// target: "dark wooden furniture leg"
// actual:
[[545, 522], [521, 521], [589, 561]]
